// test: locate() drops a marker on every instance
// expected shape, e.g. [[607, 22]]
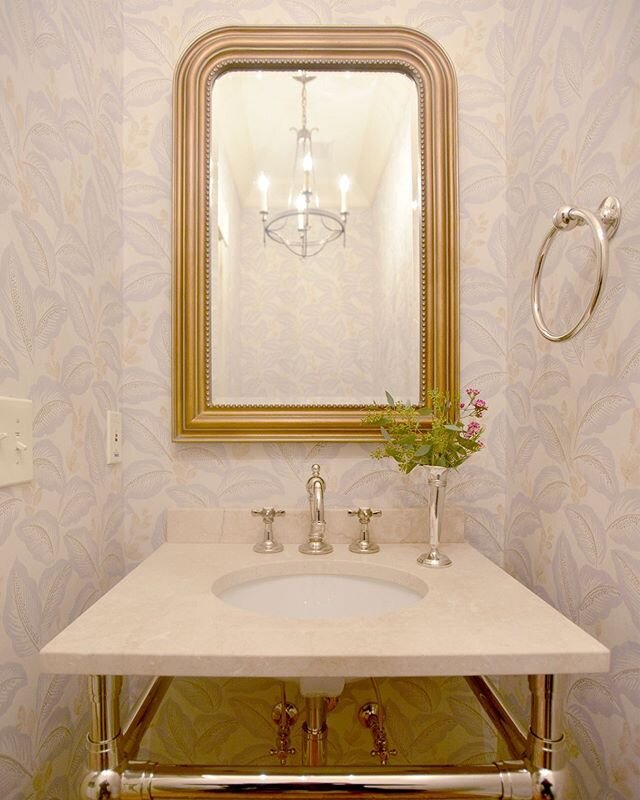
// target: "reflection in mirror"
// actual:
[[314, 205]]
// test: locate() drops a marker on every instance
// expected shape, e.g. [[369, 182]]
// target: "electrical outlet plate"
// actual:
[[114, 437], [16, 441]]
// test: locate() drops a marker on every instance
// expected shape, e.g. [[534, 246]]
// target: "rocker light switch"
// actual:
[[16, 441]]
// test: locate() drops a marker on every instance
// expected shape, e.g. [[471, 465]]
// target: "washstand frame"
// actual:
[[537, 769]]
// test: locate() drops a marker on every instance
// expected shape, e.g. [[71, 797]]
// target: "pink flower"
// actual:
[[473, 392], [479, 403], [472, 429]]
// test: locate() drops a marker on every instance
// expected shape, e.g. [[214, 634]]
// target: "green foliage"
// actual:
[[445, 444]]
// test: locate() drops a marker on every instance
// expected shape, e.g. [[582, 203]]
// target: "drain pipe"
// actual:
[[315, 731]]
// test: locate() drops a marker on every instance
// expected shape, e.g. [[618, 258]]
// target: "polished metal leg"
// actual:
[[512, 734], [142, 714], [103, 782], [109, 747], [545, 755]]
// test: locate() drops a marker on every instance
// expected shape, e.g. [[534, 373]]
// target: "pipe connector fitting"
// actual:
[[516, 780], [546, 760], [105, 784], [552, 784]]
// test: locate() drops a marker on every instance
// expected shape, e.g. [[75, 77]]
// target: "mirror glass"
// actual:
[[314, 252]]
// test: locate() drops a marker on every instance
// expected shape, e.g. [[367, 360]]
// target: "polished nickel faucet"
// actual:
[[316, 544]]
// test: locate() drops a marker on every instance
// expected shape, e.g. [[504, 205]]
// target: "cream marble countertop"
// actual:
[[164, 619]]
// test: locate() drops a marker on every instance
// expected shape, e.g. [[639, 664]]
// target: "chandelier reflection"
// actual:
[[304, 227]]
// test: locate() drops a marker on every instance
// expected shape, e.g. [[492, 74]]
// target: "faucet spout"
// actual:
[[315, 489], [316, 544]]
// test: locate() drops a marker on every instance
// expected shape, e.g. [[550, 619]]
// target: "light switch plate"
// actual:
[[16, 441]]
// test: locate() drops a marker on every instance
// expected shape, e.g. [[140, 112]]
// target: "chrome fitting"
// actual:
[[547, 764], [104, 784], [552, 784], [268, 543], [104, 742], [516, 780], [316, 544], [315, 732], [371, 717], [284, 714], [545, 755], [363, 543]]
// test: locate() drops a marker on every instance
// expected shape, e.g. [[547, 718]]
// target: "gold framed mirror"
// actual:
[[299, 299]]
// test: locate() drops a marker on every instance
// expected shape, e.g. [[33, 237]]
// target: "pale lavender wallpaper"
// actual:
[[549, 113], [60, 345], [573, 460]]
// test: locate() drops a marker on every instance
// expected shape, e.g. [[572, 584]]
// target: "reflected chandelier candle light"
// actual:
[[304, 228]]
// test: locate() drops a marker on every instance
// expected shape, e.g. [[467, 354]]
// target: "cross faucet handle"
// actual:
[[363, 543], [267, 514], [364, 514], [268, 544]]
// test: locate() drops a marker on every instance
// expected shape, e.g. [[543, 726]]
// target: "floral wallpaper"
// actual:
[[60, 344], [548, 97], [573, 521]]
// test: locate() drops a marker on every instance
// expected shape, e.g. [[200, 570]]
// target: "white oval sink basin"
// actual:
[[320, 594]]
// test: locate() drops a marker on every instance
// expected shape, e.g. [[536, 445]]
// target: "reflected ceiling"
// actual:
[[346, 108]]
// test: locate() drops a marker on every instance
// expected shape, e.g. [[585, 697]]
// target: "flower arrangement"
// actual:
[[445, 444]]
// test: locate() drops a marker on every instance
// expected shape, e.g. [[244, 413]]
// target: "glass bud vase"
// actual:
[[436, 490]]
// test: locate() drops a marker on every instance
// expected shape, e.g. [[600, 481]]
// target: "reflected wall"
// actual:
[[342, 325]]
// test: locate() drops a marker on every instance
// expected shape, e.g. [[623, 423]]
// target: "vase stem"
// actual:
[[436, 490]]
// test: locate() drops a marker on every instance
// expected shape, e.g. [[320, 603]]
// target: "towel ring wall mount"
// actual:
[[603, 224]]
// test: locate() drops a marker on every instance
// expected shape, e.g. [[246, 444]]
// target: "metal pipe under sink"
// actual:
[[315, 732]]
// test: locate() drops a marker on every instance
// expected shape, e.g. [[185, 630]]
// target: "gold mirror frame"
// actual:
[[365, 48]]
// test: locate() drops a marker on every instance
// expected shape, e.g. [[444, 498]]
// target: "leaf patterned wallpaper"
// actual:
[[85, 130], [573, 520], [228, 721], [61, 312]]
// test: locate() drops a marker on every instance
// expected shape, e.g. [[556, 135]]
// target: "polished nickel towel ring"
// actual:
[[604, 224]]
